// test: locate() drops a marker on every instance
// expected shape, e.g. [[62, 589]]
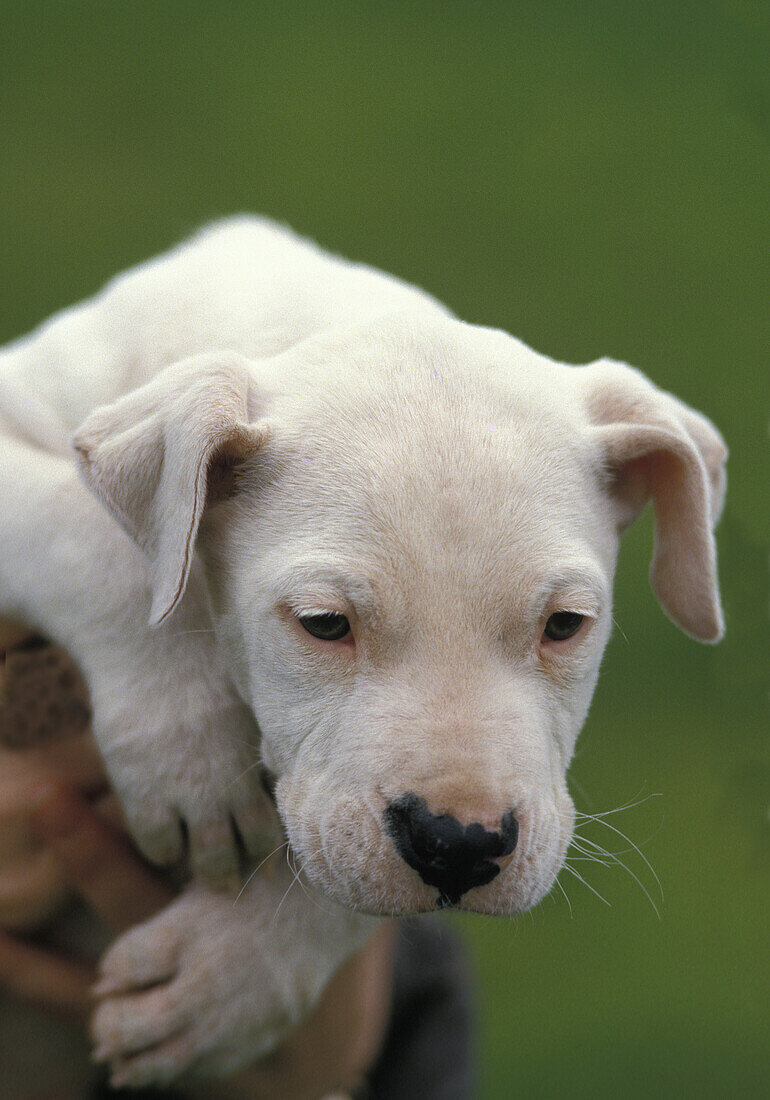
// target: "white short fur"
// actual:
[[273, 432]]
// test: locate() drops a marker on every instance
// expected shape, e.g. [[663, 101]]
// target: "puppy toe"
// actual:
[[123, 1026], [214, 851], [141, 957], [159, 1066], [160, 837]]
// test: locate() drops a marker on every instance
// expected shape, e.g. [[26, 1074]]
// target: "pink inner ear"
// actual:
[[630, 485], [215, 469], [221, 473], [652, 463], [657, 475], [220, 480]]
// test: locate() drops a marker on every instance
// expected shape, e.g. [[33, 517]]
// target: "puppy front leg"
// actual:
[[208, 986], [179, 745]]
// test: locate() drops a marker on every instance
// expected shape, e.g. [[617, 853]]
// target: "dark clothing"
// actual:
[[427, 1051]]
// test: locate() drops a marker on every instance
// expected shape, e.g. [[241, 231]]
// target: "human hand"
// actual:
[[332, 1048], [99, 862]]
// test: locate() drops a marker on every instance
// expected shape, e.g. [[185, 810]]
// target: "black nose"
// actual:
[[445, 854]]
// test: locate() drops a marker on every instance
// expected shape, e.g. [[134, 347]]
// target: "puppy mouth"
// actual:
[[400, 858]]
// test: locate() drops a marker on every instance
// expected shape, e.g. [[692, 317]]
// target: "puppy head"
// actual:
[[410, 572]]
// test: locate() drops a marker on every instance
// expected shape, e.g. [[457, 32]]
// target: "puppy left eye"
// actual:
[[329, 626], [562, 625]]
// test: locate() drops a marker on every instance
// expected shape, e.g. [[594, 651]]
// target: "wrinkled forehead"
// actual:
[[440, 460]]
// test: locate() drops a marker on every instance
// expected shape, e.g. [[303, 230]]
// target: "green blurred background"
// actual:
[[592, 177]]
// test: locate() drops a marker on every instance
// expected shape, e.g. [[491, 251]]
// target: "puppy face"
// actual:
[[411, 577], [414, 585]]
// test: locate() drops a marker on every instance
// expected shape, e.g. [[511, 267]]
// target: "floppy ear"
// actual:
[[653, 446], [156, 457]]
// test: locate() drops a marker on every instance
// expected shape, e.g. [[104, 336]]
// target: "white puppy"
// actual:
[[388, 541]]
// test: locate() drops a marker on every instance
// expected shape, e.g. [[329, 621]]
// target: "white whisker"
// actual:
[[284, 844], [580, 878], [612, 858], [310, 896], [639, 852], [618, 809], [569, 903], [251, 767], [285, 896], [620, 630]]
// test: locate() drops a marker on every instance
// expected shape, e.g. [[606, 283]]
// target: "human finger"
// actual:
[[48, 980], [99, 860]]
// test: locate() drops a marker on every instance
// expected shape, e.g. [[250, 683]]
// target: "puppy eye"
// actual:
[[329, 626], [562, 625]]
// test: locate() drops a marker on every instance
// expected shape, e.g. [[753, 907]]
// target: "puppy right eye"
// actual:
[[329, 626]]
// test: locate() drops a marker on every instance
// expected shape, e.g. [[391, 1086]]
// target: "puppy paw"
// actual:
[[191, 787], [217, 829], [209, 986]]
